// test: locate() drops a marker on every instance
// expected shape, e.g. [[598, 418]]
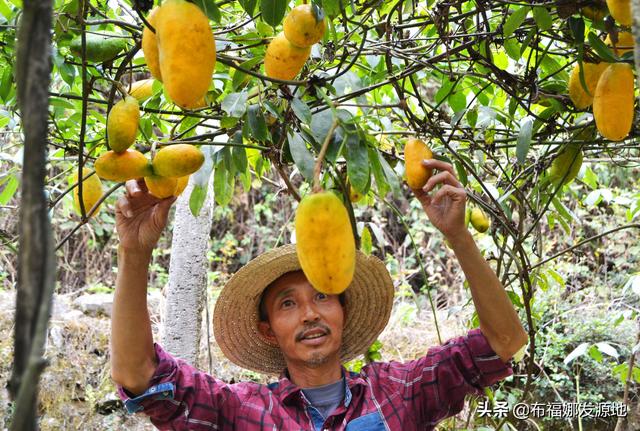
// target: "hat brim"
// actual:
[[368, 303]]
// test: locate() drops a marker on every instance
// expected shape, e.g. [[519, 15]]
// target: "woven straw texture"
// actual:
[[368, 302]]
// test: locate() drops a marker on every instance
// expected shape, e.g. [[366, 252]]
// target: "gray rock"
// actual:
[[95, 304]]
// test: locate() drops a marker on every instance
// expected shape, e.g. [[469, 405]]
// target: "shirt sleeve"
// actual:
[[180, 397], [437, 383]]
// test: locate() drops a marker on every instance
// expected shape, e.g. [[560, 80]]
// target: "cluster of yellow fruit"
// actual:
[[609, 86], [289, 50], [182, 52]]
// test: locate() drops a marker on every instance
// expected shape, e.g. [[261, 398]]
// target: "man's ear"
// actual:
[[265, 330]]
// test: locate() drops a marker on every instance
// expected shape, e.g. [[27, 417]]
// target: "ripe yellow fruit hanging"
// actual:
[[325, 245], [284, 60], [163, 187], [415, 151], [128, 165], [625, 43], [122, 124], [592, 71], [91, 192], [150, 46], [620, 10], [177, 160], [142, 90], [187, 51], [479, 220], [302, 28], [566, 165], [613, 102]]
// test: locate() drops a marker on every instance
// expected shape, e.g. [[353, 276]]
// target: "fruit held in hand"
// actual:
[[415, 151], [284, 60], [479, 220], [122, 124], [613, 102], [592, 72], [304, 25], [128, 165], [566, 165], [99, 47], [187, 51], [177, 160], [325, 245], [150, 45], [91, 192], [163, 187]]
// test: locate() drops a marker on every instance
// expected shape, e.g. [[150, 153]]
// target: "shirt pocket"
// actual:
[[368, 422]]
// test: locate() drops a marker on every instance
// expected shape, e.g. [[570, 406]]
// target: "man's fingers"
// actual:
[[124, 206], [444, 177], [439, 165], [161, 211], [447, 190], [136, 187]]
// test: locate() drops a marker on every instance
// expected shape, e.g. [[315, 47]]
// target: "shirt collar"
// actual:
[[288, 392]]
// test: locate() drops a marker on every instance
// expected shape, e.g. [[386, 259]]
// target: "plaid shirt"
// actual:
[[390, 396]]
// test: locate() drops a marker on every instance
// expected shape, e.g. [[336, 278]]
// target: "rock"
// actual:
[[95, 304]]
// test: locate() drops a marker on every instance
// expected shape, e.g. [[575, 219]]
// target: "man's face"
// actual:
[[306, 324]]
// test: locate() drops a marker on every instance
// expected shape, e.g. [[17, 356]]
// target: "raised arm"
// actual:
[[445, 208], [140, 219]]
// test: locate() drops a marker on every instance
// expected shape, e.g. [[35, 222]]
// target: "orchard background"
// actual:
[[484, 83]]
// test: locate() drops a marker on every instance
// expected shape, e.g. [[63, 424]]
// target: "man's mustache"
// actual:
[[309, 327]]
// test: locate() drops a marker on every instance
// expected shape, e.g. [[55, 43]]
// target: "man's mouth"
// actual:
[[313, 334]]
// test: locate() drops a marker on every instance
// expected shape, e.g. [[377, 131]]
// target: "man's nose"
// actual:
[[310, 312]]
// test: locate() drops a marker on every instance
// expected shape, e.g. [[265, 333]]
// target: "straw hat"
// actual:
[[368, 302]]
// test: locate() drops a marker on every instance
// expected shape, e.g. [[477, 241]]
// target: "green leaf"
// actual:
[[576, 25], [462, 173], [543, 18], [524, 139], [601, 48], [257, 124], [273, 11], [301, 110], [577, 352], [239, 77], [515, 20], [196, 200], [248, 5], [512, 48], [457, 101], [331, 7], [209, 8], [390, 175], [357, 159], [366, 244], [301, 155], [9, 190], [223, 184], [239, 154], [235, 104], [5, 83]]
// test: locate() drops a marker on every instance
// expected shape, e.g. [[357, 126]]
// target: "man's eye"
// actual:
[[287, 303], [322, 296]]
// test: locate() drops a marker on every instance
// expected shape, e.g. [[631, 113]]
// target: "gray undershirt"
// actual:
[[326, 398]]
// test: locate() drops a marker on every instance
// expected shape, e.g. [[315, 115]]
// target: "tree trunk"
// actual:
[[187, 278], [36, 265]]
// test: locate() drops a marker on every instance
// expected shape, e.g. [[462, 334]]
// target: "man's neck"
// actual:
[[306, 377]]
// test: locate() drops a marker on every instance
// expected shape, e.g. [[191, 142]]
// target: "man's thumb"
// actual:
[[161, 210]]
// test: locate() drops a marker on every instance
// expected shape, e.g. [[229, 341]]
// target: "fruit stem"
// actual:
[[316, 169]]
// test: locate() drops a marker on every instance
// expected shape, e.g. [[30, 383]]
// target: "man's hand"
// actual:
[[140, 217], [446, 207]]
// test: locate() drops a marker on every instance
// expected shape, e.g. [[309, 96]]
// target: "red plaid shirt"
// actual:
[[390, 396]]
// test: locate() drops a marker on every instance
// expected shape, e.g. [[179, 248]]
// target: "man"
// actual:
[[269, 318]]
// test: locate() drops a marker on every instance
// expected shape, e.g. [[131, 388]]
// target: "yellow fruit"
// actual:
[[177, 160], [325, 244], [625, 43], [122, 124], [181, 184], [142, 90], [566, 165], [187, 51], [620, 10], [200, 103], [150, 46], [415, 151], [128, 165], [592, 72], [91, 192], [479, 220], [613, 102], [284, 60], [301, 28]]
